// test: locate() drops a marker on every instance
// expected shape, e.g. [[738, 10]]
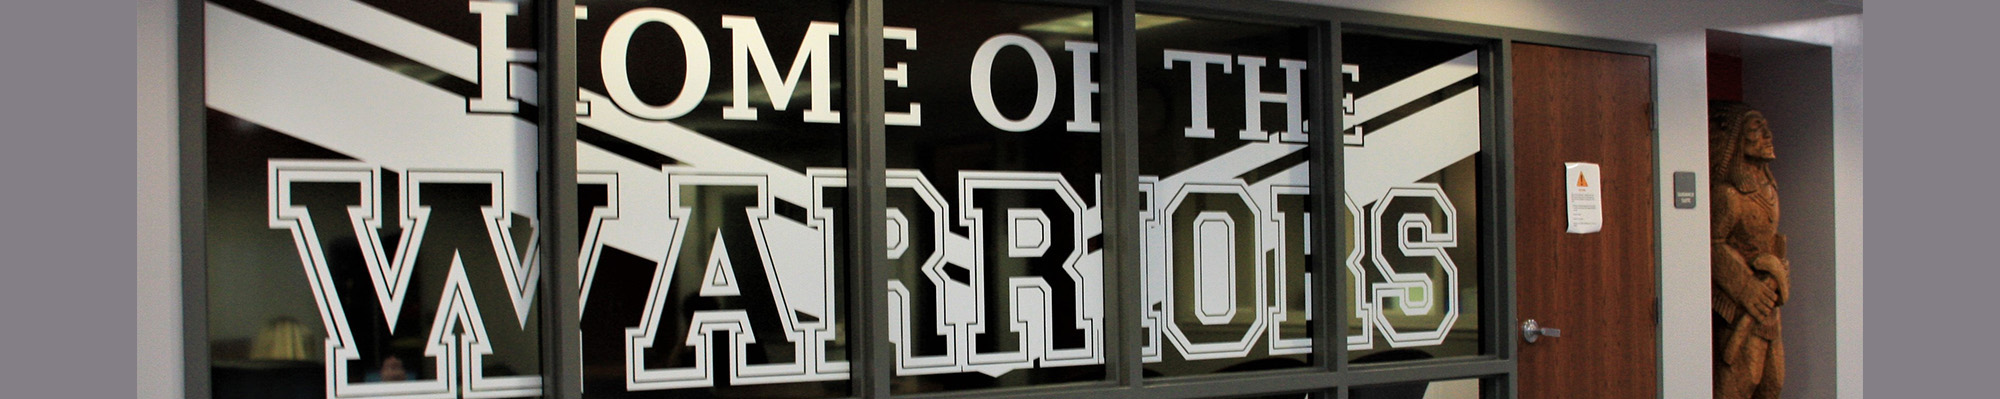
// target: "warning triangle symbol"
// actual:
[[1580, 182]]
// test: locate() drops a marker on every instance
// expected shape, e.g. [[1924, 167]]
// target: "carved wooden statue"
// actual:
[[1751, 276]]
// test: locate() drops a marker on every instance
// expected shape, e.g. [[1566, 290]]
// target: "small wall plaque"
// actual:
[[1684, 190]]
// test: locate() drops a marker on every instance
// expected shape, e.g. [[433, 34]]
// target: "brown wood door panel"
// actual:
[[1585, 106]]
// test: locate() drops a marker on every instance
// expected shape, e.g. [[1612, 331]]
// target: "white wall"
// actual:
[[159, 355], [1676, 27]]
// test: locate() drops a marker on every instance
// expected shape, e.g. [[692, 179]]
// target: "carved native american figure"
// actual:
[[1751, 276]]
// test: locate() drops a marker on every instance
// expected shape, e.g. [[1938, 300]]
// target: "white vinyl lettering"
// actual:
[[1203, 263], [750, 48], [1361, 315], [720, 237], [921, 310], [591, 246], [1254, 97], [1026, 257], [1353, 133], [901, 75], [1212, 245], [618, 84], [1082, 88], [1198, 63], [1414, 291], [582, 106], [1215, 267], [334, 211], [982, 82], [1029, 230], [1047, 284], [1291, 285], [494, 57], [1153, 261]]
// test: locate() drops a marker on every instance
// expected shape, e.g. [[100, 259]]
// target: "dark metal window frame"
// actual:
[[1329, 376]]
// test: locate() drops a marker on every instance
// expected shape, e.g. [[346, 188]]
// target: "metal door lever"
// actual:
[[1532, 331]]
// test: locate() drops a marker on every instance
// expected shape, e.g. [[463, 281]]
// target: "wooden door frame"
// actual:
[[1513, 344]]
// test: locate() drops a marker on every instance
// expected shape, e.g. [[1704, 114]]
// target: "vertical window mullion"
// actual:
[[562, 361], [868, 252], [1122, 165], [1503, 134], [1330, 345]]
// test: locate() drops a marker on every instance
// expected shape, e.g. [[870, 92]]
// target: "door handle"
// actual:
[[1532, 331]]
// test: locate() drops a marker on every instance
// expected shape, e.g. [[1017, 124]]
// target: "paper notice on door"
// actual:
[[1583, 197]]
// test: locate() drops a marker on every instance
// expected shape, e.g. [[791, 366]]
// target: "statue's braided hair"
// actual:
[[1726, 120]]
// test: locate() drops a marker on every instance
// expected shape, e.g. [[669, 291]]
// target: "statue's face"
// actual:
[[1757, 139]]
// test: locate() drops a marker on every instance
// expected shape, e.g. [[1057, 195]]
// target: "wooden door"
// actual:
[[1600, 289]]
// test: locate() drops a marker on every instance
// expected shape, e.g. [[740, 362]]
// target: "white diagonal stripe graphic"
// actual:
[[390, 32], [640, 229], [408, 39], [1228, 166], [357, 103], [1411, 88], [696, 151], [1415, 147]]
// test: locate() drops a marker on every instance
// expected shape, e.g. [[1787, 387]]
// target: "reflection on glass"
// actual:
[[994, 159], [711, 172], [1225, 173], [1450, 389], [1412, 152]]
